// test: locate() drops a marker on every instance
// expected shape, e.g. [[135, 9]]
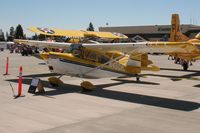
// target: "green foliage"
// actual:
[[35, 37], [12, 31], [91, 27], [41, 37], [19, 34], [2, 37], [11, 35]]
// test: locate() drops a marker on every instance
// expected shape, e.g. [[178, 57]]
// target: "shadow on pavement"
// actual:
[[41, 75], [121, 96]]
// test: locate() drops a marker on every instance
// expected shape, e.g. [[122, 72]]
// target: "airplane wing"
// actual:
[[141, 47], [196, 58], [105, 35], [146, 47], [76, 33], [57, 32], [43, 44]]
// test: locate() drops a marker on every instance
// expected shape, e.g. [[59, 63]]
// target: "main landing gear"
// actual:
[[55, 82], [87, 86], [137, 78], [185, 65]]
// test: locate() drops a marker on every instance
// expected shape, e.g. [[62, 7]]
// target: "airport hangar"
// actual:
[[152, 32]]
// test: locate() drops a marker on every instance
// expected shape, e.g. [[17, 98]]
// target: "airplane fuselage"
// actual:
[[69, 65], [91, 64]]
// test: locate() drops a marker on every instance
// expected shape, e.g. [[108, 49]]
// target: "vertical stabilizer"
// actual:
[[175, 34]]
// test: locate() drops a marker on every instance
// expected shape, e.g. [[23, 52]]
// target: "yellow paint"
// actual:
[[176, 35], [77, 33], [55, 81], [88, 85], [44, 55], [114, 54], [151, 68], [132, 70]]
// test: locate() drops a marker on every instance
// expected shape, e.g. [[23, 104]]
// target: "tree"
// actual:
[[91, 27], [12, 31], [41, 37], [19, 34], [24, 36], [35, 37], [11, 34], [3, 37]]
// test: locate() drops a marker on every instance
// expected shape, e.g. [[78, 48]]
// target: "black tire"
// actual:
[[137, 78], [185, 66]]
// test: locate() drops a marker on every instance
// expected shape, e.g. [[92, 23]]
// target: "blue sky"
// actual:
[[76, 14]]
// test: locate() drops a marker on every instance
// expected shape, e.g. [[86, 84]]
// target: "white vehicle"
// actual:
[[3, 45]]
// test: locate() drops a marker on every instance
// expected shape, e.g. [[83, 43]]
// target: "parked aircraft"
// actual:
[[177, 36], [106, 59]]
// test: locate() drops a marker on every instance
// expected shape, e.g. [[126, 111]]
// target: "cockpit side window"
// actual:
[[76, 50], [73, 47], [103, 59]]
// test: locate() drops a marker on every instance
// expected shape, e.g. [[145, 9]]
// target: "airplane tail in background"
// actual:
[[175, 34]]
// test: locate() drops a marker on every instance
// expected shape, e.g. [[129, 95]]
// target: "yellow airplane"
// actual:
[[76, 36], [177, 36], [105, 59]]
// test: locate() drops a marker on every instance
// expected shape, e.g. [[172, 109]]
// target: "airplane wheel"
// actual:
[[55, 82], [185, 66], [137, 78], [87, 86]]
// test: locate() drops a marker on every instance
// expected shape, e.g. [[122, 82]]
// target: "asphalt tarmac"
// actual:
[[167, 101]]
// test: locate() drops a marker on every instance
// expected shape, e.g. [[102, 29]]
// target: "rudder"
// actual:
[[176, 35]]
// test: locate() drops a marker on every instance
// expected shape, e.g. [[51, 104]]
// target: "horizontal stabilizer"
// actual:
[[151, 68]]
